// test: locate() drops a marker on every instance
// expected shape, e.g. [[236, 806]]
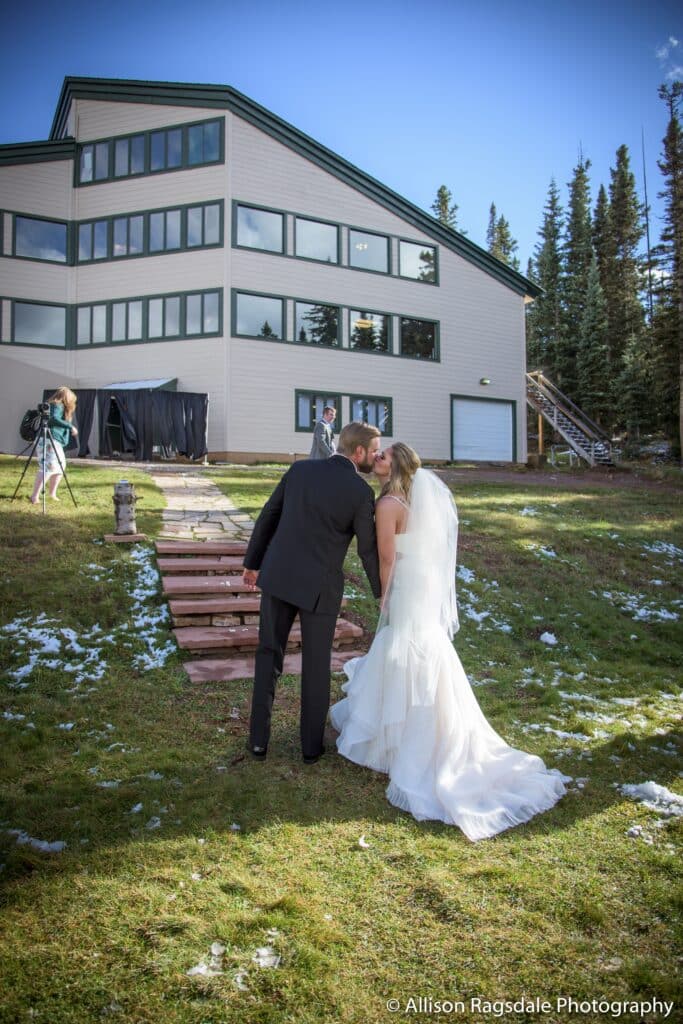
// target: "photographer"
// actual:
[[59, 410]]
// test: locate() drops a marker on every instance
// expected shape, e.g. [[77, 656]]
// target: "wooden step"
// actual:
[[203, 586], [200, 547], [241, 666], [216, 605], [224, 564], [207, 638]]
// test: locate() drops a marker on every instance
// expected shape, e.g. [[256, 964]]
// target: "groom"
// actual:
[[296, 554]]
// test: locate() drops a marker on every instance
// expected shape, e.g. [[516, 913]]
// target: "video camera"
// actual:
[[43, 408]]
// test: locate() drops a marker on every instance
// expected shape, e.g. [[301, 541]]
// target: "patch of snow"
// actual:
[[548, 638], [24, 839], [655, 798]]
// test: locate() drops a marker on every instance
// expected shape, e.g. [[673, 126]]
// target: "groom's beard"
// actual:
[[367, 465]]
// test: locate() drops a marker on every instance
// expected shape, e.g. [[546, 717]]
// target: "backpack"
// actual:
[[30, 425]]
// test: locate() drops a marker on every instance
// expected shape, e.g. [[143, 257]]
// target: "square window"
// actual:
[[260, 229], [418, 338], [259, 316], [316, 324], [369, 332], [317, 241], [417, 261], [368, 251]]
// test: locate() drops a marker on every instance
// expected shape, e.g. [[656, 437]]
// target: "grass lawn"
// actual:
[[570, 605]]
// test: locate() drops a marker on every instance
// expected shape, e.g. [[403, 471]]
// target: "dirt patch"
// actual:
[[600, 479]]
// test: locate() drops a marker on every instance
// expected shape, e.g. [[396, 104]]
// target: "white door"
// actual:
[[483, 430]]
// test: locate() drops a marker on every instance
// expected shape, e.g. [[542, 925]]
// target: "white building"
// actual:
[[183, 231]]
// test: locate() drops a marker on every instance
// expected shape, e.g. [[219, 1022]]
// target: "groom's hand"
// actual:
[[250, 578]]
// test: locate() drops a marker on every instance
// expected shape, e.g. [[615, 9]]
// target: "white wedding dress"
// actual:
[[409, 710]]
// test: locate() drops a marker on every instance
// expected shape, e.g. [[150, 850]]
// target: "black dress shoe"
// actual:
[[314, 758], [258, 753]]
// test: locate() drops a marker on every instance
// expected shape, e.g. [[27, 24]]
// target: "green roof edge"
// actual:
[[124, 90]]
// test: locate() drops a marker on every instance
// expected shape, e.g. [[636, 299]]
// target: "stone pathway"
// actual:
[[198, 510]]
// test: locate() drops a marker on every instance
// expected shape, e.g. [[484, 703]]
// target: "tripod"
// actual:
[[44, 434]]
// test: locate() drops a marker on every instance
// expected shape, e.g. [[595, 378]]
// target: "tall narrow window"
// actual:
[[203, 225], [202, 313], [310, 405], [203, 142], [164, 230], [376, 411]]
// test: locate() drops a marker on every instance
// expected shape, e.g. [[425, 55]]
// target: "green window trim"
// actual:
[[114, 158], [288, 315], [389, 317], [342, 250], [75, 319], [367, 400], [56, 221], [328, 397], [325, 223], [149, 218], [239, 204]]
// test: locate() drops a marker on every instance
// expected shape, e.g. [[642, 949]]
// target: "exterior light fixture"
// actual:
[[484, 380], [363, 324], [361, 246]]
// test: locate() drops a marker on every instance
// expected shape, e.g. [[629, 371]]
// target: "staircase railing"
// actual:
[[594, 441]]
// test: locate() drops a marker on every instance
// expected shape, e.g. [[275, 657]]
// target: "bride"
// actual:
[[409, 710]]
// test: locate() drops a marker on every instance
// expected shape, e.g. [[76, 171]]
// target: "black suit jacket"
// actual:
[[302, 535]]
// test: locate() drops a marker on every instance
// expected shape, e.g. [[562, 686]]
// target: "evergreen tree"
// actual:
[[622, 277], [545, 324], [323, 325], [668, 325], [505, 246], [592, 362], [578, 251], [601, 233], [491, 229], [445, 210], [267, 331]]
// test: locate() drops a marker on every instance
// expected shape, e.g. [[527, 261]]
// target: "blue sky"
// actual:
[[491, 98]]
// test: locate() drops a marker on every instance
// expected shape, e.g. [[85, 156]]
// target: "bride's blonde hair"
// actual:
[[68, 400], [405, 462]]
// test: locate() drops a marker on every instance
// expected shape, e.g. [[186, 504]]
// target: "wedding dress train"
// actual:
[[409, 710]]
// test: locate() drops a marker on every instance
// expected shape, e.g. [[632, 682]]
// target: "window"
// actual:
[[316, 241], [260, 229], [376, 411], [310, 405], [38, 324], [128, 236], [40, 239], [164, 317], [203, 143], [91, 325], [164, 230], [126, 321], [418, 338], [129, 156], [258, 316], [203, 225], [368, 251], [203, 313], [93, 240], [164, 149], [316, 324], [369, 331], [417, 261]]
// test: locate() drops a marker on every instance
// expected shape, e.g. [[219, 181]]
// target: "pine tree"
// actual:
[[445, 210], [491, 229], [601, 233], [622, 279], [324, 325], [668, 326], [578, 251], [545, 325], [505, 245], [592, 363]]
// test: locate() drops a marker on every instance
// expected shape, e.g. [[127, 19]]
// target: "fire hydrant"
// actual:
[[124, 507]]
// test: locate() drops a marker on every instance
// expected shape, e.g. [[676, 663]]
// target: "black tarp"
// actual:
[[173, 421]]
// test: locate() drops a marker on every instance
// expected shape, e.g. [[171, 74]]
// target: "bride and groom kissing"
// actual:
[[409, 710]]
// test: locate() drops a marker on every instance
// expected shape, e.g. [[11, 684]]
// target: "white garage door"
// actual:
[[482, 430]]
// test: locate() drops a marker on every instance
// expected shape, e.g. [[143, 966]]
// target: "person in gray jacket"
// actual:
[[323, 435]]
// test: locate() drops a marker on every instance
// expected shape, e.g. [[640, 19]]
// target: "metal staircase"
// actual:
[[584, 436]]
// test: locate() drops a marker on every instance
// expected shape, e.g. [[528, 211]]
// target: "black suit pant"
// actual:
[[317, 635]]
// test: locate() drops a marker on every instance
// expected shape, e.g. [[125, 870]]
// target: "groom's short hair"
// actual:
[[355, 434]]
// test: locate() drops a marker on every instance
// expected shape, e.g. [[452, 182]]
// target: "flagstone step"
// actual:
[[208, 638], [216, 605], [200, 547], [241, 666], [203, 586], [224, 564]]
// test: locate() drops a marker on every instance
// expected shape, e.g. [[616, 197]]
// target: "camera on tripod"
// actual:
[[43, 408]]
